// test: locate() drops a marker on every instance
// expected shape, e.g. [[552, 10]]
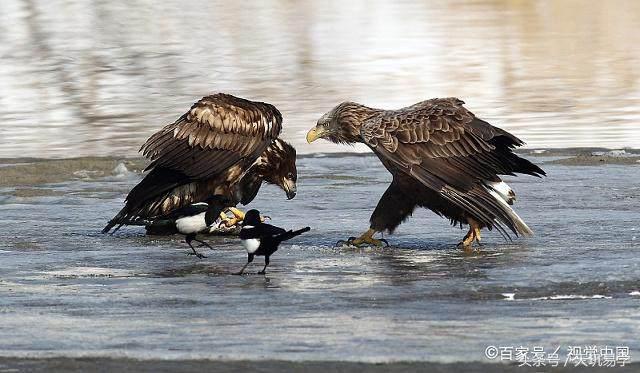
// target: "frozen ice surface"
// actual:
[[67, 290]]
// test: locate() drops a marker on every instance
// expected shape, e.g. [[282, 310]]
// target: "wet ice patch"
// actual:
[[421, 259], [88, 174], [77, 272], [572, 297], [613, 153]]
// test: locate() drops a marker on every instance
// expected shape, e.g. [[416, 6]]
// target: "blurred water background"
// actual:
[[82, 78]]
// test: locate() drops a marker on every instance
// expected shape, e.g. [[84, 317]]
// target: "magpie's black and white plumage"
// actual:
[[224, 145], [197, 218], [263, 239]]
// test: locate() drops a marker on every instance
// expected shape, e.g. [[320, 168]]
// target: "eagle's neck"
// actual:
[[351, 118], [268, 165]]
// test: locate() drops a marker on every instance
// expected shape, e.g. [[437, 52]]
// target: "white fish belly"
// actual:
[[251, 244], [191, 224]]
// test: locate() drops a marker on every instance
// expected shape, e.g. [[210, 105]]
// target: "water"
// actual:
[[97, 78], [66, 290]]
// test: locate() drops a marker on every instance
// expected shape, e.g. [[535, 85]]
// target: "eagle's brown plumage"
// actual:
[[441, 156], [217, 132], [224, 145]]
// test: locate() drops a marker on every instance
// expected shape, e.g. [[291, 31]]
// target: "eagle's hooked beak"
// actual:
[[290, 188], [314, 134]]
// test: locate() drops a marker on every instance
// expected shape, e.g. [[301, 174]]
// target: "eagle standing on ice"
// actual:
[[223, 146], [442, 157]]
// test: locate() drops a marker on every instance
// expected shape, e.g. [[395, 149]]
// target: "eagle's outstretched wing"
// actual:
[[218, 132], [445, 147]]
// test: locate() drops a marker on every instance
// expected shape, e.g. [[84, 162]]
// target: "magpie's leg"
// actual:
[[188, 239], [204, 243], [266, 263], [249, 260]]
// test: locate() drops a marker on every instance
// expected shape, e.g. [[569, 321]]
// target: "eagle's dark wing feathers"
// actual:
[[217, 132], [442, 129]]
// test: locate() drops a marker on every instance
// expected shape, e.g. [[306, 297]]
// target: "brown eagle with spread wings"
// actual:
[[442, 157], [224, 145]]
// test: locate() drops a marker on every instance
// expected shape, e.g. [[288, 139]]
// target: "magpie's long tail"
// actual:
[[290, 234]]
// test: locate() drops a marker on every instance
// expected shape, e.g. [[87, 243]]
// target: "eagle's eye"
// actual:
[[290, 175]]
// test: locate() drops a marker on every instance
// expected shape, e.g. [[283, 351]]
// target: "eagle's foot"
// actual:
[[473, 235], [231, 222], [367, 239], [238, 217]]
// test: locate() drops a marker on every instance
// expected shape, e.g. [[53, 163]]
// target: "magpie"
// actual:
[[197, 218], [263, 239]]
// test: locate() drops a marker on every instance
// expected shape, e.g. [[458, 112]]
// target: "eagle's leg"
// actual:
[[367, 238], [230, 222], [238, 216], [472, 235], [394, 207]]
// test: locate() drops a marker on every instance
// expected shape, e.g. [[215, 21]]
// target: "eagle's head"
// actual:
[[278, 166], [341, 124]]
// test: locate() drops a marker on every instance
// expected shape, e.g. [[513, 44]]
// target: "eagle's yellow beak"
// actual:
[[314, 134]]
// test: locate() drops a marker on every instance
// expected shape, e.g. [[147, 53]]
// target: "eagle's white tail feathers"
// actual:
[[520, 225], [504, 190]]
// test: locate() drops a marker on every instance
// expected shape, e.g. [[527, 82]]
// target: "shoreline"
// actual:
[[38, 171]]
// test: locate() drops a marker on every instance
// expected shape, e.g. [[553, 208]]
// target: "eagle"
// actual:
[[223, 146], [442, 157]]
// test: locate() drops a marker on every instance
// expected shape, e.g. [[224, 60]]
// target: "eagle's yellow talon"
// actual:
[[472, 235], [227, 221], [238, 217], [230, 222], [367, 238]]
